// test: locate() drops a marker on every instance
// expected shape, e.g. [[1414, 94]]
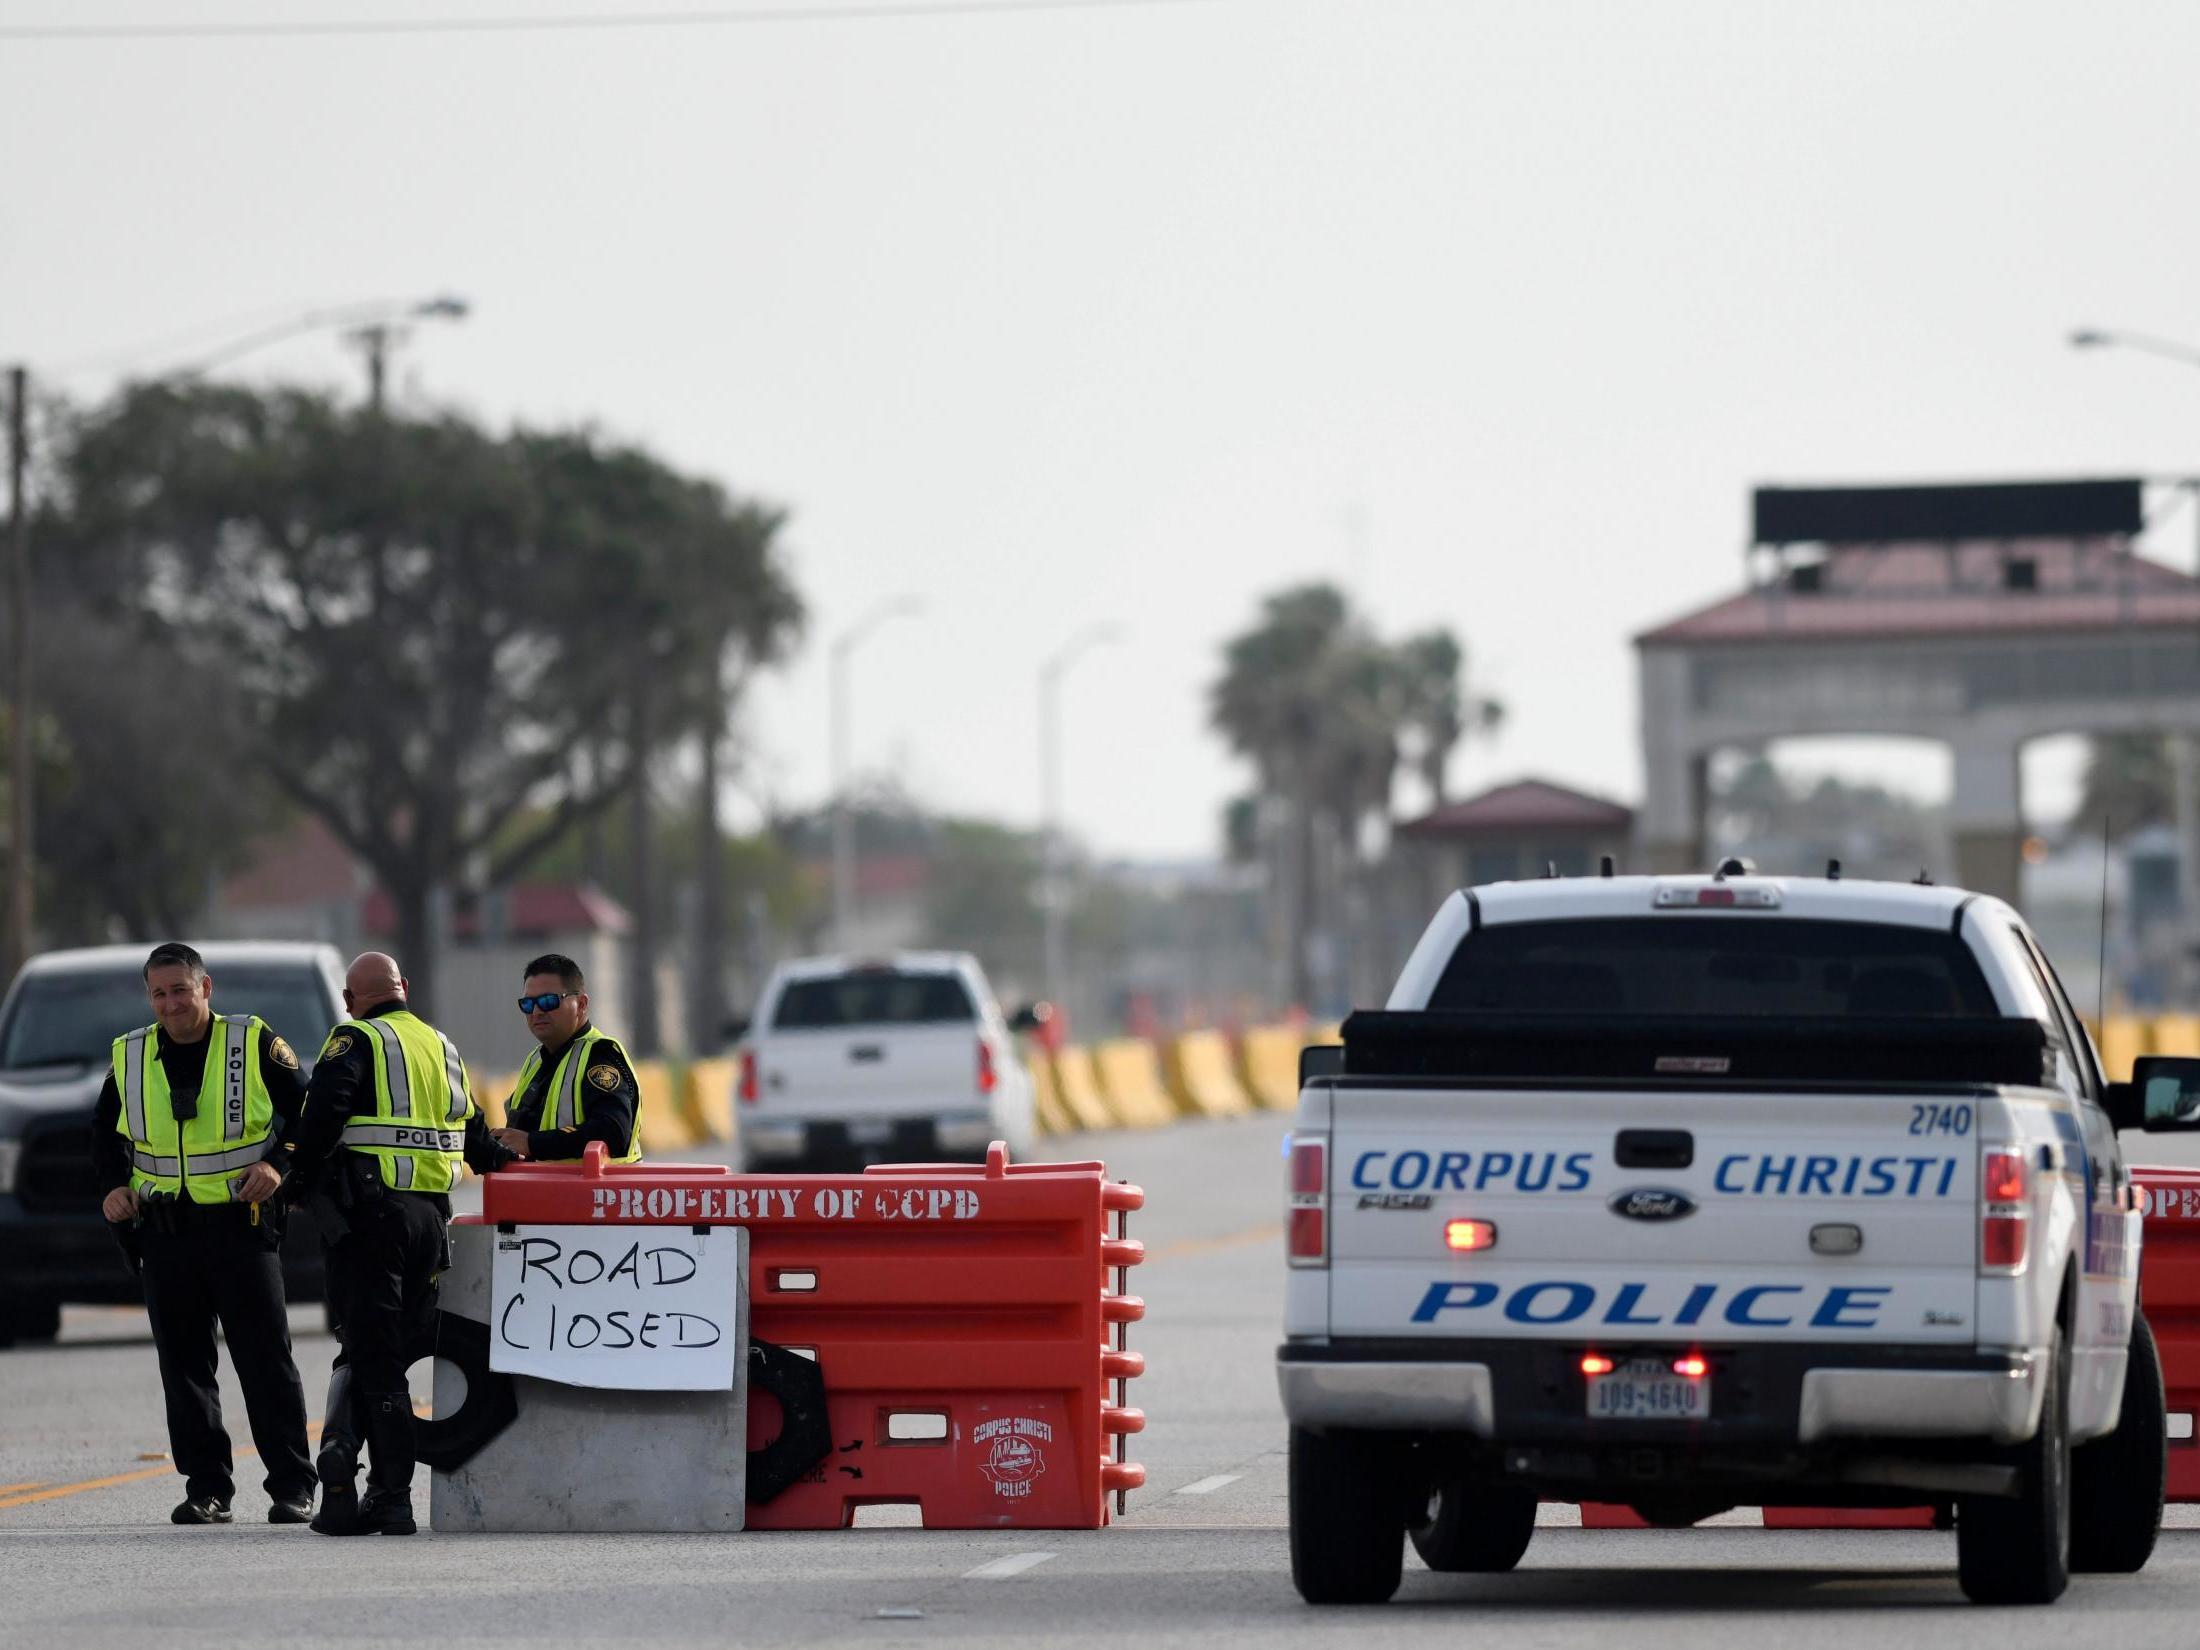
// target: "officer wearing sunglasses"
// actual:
[[577, 1084]]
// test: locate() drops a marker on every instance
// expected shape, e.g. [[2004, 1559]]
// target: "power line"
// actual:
[[568, 24]]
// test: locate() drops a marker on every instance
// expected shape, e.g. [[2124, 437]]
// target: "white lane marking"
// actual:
[[1208, 1486], [1015, 1564]]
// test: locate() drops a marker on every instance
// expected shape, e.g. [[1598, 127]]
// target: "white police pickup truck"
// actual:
[[1695, 1192]]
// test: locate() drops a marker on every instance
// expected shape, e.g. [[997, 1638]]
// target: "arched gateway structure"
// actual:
[[1978, 616]]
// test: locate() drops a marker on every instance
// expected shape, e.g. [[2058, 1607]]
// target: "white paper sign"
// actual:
[[645, 1308]]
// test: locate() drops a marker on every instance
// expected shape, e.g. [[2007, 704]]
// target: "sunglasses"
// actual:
[[546, 1002]]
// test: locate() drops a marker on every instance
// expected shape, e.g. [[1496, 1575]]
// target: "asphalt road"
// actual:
[[87, 1558]]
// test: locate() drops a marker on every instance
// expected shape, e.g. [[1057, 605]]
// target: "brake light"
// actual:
[[751, 1088], [2004, 1220], [988, 1078], [1718, 895], [1594, 1363], [1469, 1234], [1692, 1368], [1307, 1231]]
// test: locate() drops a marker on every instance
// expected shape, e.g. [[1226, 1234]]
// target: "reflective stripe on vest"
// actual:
[[407, 1137]]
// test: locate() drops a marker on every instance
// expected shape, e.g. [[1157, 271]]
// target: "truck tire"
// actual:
[[2117, 1482], [28, 1320], [2016, 1549], [1348, 1516], [1476, 1528]]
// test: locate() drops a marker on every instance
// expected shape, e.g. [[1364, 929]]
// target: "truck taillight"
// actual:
[[988, 1078], [751, 1088], [2004, 1220], [1307, 1233]]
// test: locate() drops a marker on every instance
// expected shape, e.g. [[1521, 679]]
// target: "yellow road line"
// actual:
[[161, 1471], [7, 1499], [27, 1484]]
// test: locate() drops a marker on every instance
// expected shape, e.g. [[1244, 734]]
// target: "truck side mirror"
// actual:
[[735, 1028], [1031, 1017], [2167, 1089]]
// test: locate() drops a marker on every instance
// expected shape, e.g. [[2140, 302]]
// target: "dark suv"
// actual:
[[56, 1029]]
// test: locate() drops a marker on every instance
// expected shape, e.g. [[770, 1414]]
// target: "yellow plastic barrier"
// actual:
[[1130, 1081], [664, 1129], [2176, 1034], [1268, 1059], [1201, 1078], [1078, 1083], [2122, 1040], [493, 1093], [706, 1098], [1046, 1098]]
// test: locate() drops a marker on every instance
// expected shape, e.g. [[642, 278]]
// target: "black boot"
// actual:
[[389, 1426], [338, 1462]]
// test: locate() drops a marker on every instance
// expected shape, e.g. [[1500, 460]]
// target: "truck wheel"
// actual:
[[1348, 1522], [2016, 1549], [29, 1320], [1483, 1527], [2117, 1482]]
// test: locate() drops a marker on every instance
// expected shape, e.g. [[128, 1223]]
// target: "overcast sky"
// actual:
[[1493, 313]]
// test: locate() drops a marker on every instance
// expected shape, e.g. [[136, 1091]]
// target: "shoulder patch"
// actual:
[[338, 1046], [605, 1077], [284, 1054]]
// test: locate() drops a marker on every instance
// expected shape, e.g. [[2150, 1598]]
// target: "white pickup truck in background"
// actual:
[[1695, 1192], [903, 1060]]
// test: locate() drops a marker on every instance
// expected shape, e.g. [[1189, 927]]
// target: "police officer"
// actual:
[[576, 1084], [388, 1120], [193, 1108]]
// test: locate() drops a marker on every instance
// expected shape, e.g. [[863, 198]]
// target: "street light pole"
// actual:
[[20, 854], [844, 825], [1053, 904], [2184, 751]]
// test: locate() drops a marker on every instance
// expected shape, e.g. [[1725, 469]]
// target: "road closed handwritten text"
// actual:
[[646, 1308]]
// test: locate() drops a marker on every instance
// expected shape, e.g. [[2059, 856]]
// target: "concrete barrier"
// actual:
[[1268, 1059], [588, 1459], [1202, 1079], [1130, 1081], [1078, 1083]]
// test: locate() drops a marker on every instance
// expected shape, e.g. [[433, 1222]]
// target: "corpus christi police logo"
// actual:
[[1014, 1458], [1652, 1203]]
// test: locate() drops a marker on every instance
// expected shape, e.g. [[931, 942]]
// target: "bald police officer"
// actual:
[[388, 1122]]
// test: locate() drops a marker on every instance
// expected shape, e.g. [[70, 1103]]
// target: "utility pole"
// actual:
[[20, 848], [374, 342]]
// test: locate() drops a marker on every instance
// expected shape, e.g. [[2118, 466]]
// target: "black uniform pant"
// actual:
[[219, 1268], [381, 1278]]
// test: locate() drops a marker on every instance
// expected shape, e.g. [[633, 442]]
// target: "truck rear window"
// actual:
[[1723, 967], [874, 997]]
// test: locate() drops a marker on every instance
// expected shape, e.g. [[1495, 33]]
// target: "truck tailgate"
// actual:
[[869, 1071], [1654, 1215]]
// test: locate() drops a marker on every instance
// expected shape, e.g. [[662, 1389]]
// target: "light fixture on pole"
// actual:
[[1053, 896], [373, 326], [844, 829]]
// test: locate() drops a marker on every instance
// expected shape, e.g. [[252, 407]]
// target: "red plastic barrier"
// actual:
[[969, 1321], [2169, 1293], [1848, 1518]]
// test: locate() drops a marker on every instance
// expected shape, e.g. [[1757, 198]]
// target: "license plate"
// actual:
[[870, 1134], [1648, 1391]]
